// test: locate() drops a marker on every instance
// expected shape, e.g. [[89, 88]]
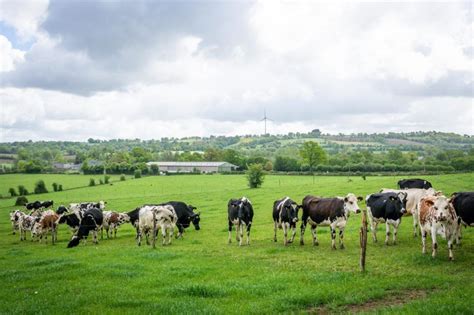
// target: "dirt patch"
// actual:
[[392, 298]]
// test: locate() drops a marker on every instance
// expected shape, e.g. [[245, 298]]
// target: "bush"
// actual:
[[60, 187], [55, 187], [106, 179], [22, 191], [21, 201], [12, 192], [40, 187], [255, 175], [138, 173], [122, 177], [91, 182], [101, 182], [155, 170]]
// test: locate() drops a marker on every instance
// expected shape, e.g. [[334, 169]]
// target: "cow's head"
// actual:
[[292, 208], [101, 204], [396, 203], [61, 210], [74, 242], [350, 203], [441, 207], [195, 218], [123, 217]]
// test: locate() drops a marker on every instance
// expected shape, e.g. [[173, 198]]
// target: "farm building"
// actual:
[[190, 167]]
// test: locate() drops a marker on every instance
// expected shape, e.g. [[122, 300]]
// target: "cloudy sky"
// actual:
[[70, 70]]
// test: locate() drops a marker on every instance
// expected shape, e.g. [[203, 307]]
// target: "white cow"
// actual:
[[14, 217], [414, 196], [154, 218]]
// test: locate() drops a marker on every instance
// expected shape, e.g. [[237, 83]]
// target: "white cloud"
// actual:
[[9, 55], [24, 15]]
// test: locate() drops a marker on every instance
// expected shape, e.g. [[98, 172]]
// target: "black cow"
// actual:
[[240, 212], [61, 210], [386, 207], [332, 212], [73, 220], [285, 216], [463, 203], [185, 214], [134, 219], [34, 205], [414, 183], [47, 203], [92, 221]]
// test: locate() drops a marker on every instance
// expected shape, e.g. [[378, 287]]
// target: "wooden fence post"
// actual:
[[363, 240]]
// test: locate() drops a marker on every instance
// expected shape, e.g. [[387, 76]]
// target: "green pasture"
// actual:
[[201, 273]]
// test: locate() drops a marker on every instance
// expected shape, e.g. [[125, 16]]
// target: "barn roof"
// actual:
[[192, 164]]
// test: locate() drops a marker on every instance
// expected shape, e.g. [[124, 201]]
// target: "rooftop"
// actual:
[[191, 164]]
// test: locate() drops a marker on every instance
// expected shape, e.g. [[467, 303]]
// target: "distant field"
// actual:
[[29, 180], [202, 274]]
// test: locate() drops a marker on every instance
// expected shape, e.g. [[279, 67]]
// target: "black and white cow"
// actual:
[[285, 216], [463, 203], [240, 213], [14, 219], [92, 221], [34, 205], [386, 207], [47, 203], [185, 214], [73, 220], [134, 216], [414, 183], [332, 212], [62, 210]]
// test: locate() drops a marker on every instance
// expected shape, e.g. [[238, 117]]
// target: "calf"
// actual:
[[437, 216], [388, 208], [91, 221], [332, 212], [14, 219], [285, 216], [240, 213], [414, 183], [152, 219], [112, 220], [49, 222], [413, 198], [185, 214], [463, 203]]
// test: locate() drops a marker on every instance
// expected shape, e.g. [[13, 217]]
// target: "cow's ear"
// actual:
[[360, 198], [346, 199]]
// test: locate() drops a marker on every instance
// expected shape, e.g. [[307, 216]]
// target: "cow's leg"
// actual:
[[373, 228], [146, 237], [458, 233], [333, 237], [395, 231], [275, 228], [102, 233], [450, 247], [230, 232], [293, 233], [180, 231], [387, 232], [163, 234], [139, 237], [241, 233], [433, 239], [302, 228], [415, 224], [248, 232], [314, 233], [423, 240], [285, 233], [171, 233], [341, 237]]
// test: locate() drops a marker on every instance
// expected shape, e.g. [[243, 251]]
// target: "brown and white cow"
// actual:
[[332, 212], [437, 216], [112, 220], [49, 223], [413, 198]]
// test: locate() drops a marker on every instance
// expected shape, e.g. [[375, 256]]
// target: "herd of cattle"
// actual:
[[432, 213]]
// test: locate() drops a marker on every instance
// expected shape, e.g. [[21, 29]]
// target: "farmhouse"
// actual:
[[190, 167]]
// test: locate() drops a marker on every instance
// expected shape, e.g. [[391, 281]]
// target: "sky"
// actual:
[[73, 70]]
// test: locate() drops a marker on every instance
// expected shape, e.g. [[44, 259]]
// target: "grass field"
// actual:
[[203, 274]]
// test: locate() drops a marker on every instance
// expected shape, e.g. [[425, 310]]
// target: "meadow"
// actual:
[[201, 273]]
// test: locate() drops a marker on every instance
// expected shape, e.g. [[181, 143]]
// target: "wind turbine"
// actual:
[[265, 118]]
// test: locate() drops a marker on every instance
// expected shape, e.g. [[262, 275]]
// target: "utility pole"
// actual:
[[265, 118]]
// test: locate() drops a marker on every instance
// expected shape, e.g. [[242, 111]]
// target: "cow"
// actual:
[[388, 208], [91, 221], [463, 203], [14, 218], [413, 198], [437, 216], [73, 220], [332, 212], [240, 213], [47, 203], [83, 206], [134, 217], [155, 218], [285, 216], [186, 215], [34, 205], [112, 220], [27, 223], [49, 222], [414, 183], [62, 210]]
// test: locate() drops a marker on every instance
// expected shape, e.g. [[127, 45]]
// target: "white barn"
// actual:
[[190, 167]]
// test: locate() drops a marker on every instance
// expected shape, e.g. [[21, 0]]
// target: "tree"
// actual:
[[255, 175], [155, 170], [312, 154], [40, 187]]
